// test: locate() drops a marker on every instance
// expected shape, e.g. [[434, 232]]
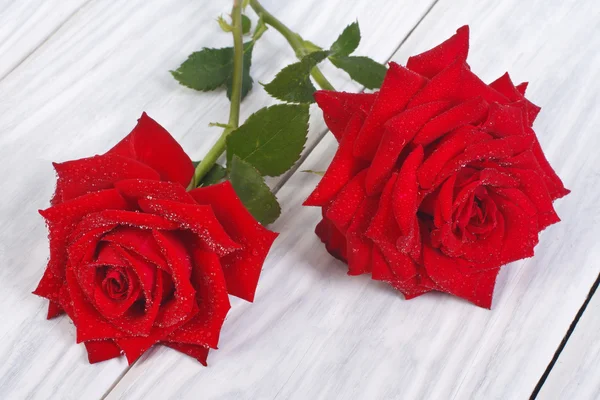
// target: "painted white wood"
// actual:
[[575, 374], [78, 94], [314, 333], [26, 24]]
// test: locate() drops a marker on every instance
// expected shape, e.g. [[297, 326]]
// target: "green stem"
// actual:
[[236, 97], [293, 39]]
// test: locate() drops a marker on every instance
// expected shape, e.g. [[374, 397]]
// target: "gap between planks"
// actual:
[[565, 339]]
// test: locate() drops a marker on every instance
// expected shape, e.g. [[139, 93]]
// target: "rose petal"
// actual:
[[242, 267], [477, 287], [89, 323], [448, 148], [334, 240], [200, 353], [534, 188], [63, 218], [504, 120], [358, 245], [399, 86], [138, 241], [199, 219], [399, 131], [340, 107], [342, 168], [88, 175], [344, 206], [101, 350], [405, 202], [211, 297], [152, 145], [433, 61], [136, 189], [178, 259], [469, 112]]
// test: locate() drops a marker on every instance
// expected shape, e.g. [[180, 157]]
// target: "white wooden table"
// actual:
[[76, 74]]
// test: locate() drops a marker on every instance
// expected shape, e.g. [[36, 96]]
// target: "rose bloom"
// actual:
[[439, 178], [136, 260]]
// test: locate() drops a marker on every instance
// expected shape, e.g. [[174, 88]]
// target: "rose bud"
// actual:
[[439, 178], [136, 260]]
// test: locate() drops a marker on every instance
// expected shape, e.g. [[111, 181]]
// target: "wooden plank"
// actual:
[[83, 90], [575, 374], [26, 24], [314, 333]]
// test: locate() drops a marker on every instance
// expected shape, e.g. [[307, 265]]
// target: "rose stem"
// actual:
[[236, 97], [293, 39]]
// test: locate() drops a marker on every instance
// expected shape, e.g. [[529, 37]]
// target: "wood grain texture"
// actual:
[[314, 333], [26, 24], [575, 374], [78, 94]]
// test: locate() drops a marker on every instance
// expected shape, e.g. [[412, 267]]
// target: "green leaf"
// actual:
[[271, 139], [348, 41], [210, 69], [246, 25], [292, 84], [214, 175], [363, 70], [246, 78], [253, 192]]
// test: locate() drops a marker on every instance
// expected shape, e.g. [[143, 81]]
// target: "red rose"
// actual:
[[438, 180], [136, 260]]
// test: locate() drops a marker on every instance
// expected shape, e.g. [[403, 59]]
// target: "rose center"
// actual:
[[115, 284], [476, 216]]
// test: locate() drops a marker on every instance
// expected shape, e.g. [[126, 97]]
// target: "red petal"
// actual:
[[335, 241], [504, 120], [533, 186], [211, 296], [399, 131], [199, 219], [449, 147], [433, 61], [469, 112], [63, 218], [344, 206], [477, 287], [340, 107], [443, 86], [138, 241], [553, 182], [49, 287], [521, 230], [522, 87], [341, 170], [54, 310], [177, 309], [358, 245], [405, 203], [152, 145], [242, 267], [136, 189], [89, 323], [399, 86], [101, 350], [89, 175], [200, 353]]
